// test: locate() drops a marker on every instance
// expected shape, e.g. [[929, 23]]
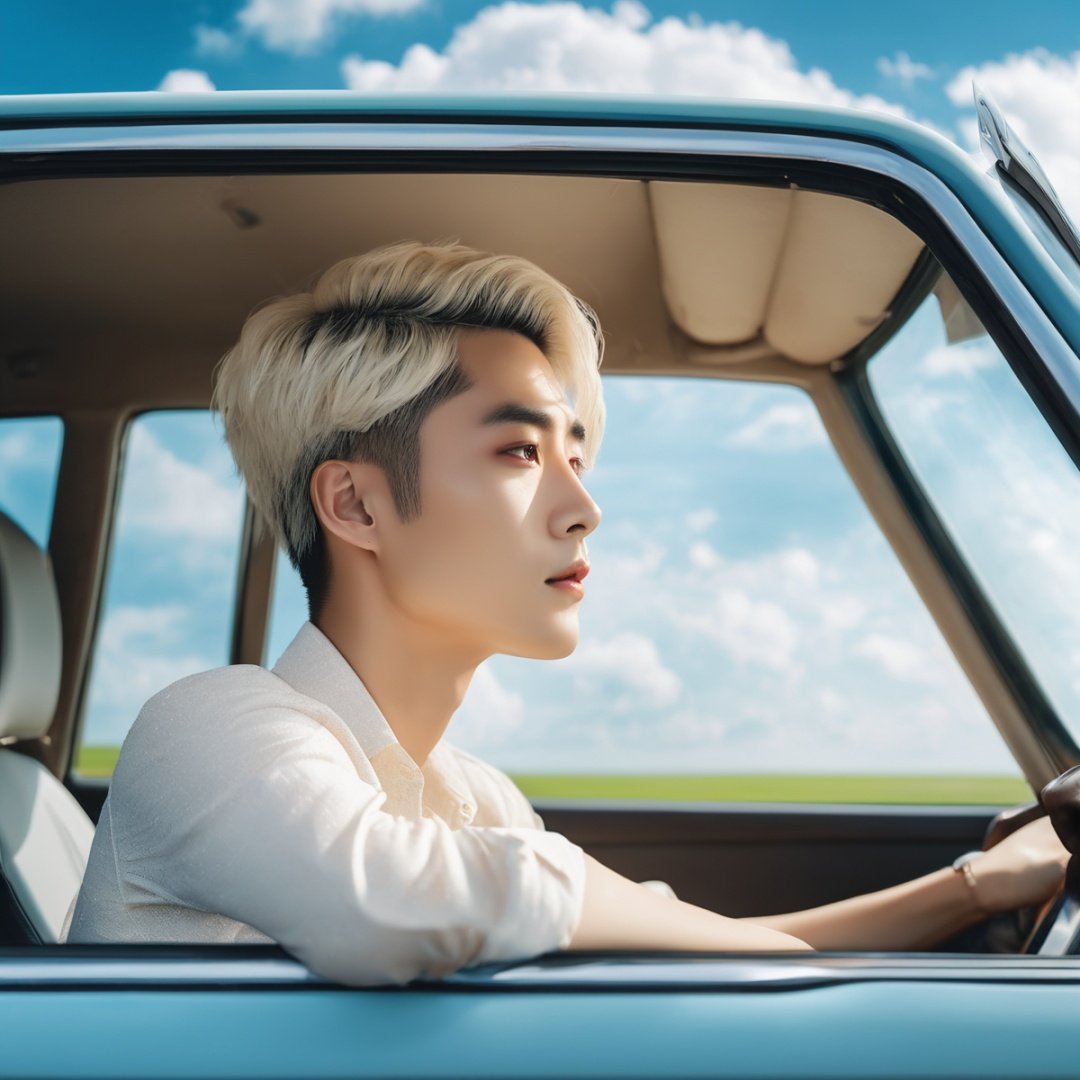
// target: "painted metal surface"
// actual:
[[787, 1023], [898, 1030], [802, 1016]]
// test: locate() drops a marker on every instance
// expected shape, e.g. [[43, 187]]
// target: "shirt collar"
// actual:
[[313, 666]]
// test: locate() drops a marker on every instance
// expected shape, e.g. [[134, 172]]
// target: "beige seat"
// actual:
[[44, 834]]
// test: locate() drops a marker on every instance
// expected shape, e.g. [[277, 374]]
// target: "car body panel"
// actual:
[[598, 1015], [122, 1015], [899, 1029]]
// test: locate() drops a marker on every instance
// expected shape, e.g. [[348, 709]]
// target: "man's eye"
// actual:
[[528, 452]]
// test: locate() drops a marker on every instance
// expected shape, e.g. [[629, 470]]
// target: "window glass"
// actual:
[[1042, 231], [747, 632], [288, 608], [999, 479], [171, 582], [29, 465]]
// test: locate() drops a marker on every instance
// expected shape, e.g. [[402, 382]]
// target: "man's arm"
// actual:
[[1023, 869], [256, 812], [620, 914]]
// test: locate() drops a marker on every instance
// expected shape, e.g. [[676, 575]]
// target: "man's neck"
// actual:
[[415, 679]]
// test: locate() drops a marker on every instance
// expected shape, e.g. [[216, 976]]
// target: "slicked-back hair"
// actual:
[[350, 370]]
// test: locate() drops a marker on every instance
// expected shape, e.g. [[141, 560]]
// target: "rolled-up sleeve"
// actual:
[[274, 827]]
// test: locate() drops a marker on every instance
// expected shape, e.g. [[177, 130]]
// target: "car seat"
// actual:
[[45, 835]]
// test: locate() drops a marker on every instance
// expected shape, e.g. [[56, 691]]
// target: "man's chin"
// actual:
[[555, 647]]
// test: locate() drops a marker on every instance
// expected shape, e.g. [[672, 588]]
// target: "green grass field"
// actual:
[[99, 761], [776, 787]]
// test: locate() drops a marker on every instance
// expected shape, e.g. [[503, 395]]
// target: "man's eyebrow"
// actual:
[[514, 413]]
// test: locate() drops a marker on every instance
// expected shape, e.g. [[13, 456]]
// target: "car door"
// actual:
[[752, 857], [255, 1012]]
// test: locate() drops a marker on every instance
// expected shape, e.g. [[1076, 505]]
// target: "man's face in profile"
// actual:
[[503, 512]]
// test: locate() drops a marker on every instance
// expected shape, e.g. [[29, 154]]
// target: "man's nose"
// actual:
[[578, 513]]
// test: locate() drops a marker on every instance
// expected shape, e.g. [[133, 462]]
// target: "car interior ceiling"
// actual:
[[121, 294]]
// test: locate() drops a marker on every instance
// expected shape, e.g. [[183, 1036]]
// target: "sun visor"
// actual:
[[811, 274], [719, 247]]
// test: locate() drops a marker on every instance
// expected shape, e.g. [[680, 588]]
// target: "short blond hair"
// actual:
[[316, 375]]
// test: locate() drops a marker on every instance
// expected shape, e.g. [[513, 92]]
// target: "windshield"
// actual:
[[1001, 483]]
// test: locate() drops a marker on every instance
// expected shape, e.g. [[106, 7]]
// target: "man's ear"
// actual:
[[349, 499]]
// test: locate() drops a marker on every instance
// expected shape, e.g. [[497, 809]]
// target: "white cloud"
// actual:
[[764, 650], [632, 662], [299, 26], [751, 630], [1011, 498], [566, 46], [490, 712], [1039, 94], [751, 607], [186, 81], [900, 659], [141, 650], [164, 495], [782, 428], [700, 520], [212, 41], [903, 69], [963, 359]]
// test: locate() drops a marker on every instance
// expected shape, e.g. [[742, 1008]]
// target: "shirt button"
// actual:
[[467, 811]]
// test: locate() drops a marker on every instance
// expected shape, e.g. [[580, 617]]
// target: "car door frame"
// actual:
[[663, 152]]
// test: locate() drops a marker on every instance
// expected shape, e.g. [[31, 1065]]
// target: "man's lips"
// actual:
[[575, 573]]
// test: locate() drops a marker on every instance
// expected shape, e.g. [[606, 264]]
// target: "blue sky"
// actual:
[[51, 46], [916, 59], [752, 617]]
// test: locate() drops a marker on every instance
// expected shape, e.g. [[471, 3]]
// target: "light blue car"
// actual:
[[850, 256]]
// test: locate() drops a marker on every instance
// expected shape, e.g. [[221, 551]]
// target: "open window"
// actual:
[[738, 299]]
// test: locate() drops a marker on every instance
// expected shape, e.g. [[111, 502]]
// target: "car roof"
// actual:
[[916, 142]]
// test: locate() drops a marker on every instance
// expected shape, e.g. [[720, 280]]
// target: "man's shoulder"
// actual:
[[209, 711], [218, 694], [237, 680]]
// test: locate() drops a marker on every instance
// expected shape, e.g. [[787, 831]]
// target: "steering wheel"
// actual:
[[1057, 925]]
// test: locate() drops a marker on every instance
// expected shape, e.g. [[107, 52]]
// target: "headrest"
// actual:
[[30, 642]]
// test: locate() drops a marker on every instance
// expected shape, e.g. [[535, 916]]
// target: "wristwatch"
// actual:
[[962, 865]]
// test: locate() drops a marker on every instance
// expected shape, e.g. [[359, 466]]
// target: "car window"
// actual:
[[747, 632], [1002, 484], [171, 578], [29, 465]]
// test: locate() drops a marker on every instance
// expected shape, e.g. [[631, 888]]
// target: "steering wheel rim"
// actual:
[[1057, 927]]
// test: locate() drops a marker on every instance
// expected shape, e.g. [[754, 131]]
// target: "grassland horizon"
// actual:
[[98, 762]]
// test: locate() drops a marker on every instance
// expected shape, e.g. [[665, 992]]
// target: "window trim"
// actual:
[[193, 968], [90, 791]]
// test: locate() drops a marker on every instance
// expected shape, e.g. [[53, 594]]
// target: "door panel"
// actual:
[[761, 859]]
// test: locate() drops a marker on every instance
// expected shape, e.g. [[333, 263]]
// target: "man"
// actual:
[[415, 431]]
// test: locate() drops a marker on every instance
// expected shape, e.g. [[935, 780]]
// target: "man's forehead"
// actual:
[[507, 368]]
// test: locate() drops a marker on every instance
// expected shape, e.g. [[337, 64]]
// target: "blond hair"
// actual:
[[350, 369]]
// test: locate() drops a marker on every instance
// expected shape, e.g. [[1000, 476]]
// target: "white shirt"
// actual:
[[251, 805]]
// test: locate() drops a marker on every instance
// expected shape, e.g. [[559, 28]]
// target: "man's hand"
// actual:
[[1024, 869]]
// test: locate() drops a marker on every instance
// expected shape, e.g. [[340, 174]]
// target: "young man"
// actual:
[[415, 431]]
